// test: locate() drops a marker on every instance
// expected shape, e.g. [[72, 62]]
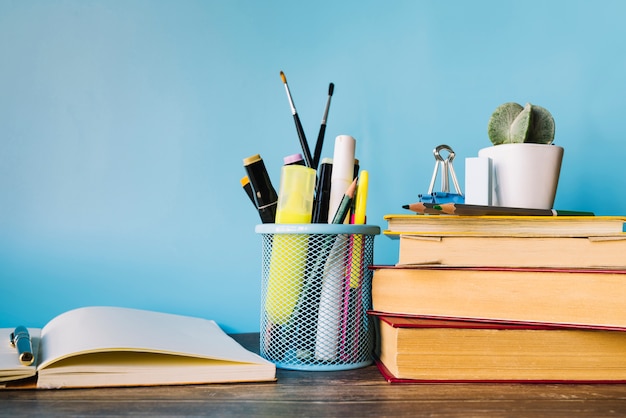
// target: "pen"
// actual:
[[351, 319], [331, 307], [20, 339], [356, 174], [326, 246], [317, 254]]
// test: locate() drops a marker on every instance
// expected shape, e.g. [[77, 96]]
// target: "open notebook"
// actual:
[[111, 346]]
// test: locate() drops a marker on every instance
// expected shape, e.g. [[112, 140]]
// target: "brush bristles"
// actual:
[[282, 76], [331, 88]]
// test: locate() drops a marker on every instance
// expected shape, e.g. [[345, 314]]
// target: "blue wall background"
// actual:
[[123, 126]]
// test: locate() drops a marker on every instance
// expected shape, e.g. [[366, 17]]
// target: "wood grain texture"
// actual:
[[361, 392]]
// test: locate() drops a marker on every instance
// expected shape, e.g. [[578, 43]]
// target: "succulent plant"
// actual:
[[511, 123]]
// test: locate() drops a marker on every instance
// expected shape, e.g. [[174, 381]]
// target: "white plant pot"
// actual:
[[524, 175]]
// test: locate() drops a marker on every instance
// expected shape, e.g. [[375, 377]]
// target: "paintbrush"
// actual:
[[305, 146], [320, 137]]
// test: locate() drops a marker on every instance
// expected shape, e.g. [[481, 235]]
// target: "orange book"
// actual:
[[582, 297]]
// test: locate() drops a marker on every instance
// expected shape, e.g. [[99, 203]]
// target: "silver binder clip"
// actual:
[[447, 171]]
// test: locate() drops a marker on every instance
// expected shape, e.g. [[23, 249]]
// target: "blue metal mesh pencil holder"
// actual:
[[316, 291]]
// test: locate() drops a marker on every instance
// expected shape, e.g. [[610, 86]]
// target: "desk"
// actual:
[[359, 393]]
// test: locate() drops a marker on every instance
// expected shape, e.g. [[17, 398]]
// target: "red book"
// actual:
[[430, 350]]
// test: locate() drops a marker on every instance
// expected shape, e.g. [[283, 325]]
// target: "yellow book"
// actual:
[[525, 226], [503, 251]]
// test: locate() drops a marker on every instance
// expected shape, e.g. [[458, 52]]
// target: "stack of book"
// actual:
[[503, 298]]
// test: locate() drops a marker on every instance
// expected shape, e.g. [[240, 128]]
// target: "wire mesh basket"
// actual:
[[316, 291]]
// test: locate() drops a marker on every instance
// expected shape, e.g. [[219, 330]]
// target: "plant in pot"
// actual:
[[525, 164]]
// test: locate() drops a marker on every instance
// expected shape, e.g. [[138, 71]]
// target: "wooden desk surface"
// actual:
[[361, 393]]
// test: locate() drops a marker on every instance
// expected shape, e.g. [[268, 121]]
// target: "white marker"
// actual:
[[343, 172]]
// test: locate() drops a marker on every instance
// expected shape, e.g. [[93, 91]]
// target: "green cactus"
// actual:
[[511, 123]]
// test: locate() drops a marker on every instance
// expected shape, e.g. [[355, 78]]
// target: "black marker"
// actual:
[[265, 195], [322, 192], [247, 187]]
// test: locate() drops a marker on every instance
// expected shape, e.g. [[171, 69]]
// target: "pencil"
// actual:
[[479, 210], [419, 207], [303, 142], [320, 137], [344, 205]]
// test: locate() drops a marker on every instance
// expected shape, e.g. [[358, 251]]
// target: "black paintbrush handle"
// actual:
[[318, 146], [305, 146]]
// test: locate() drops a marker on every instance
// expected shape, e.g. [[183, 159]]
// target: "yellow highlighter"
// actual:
[[359, 219], [361, 198], [289, 252]]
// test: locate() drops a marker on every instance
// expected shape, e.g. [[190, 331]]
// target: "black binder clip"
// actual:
[[447, 170]]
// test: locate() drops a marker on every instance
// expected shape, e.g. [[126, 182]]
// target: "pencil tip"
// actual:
[[405, 206], [282, 76], [331, 88], [352, 189]]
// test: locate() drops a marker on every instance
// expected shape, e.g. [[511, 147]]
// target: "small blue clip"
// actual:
[[444, 196], [441, 197]]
